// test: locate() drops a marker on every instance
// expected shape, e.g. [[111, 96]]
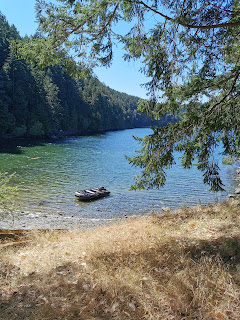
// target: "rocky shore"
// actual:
[[41, 220], [236, 194]]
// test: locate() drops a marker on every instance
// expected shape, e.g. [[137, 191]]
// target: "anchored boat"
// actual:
[[91, 194]]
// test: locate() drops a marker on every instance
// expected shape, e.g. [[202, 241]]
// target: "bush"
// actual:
[[8, 196], [36, 129], [19, 131], [227, 160]]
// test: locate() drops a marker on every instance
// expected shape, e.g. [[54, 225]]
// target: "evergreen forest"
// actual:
[[49, 102]]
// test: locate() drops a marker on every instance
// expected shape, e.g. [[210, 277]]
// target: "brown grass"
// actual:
[[178, 265]]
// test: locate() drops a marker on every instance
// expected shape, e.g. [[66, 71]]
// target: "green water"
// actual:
[[49, 173]]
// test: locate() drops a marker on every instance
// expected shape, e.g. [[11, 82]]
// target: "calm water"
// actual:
[[49, 173]]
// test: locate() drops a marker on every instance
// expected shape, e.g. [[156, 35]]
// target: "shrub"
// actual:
[[227, 160], [36, 129], [8, 196], [19, 131]]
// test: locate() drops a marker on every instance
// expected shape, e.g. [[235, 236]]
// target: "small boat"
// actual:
[[91, 194]]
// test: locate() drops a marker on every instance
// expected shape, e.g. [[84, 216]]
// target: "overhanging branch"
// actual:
[[226, 95], [190, 26]]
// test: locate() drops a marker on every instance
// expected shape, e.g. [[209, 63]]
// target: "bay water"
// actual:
[[49, 172]]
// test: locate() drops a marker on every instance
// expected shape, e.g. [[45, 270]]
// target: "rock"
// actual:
[[165, 209], [235, 196], [237, 190], [232, 196]]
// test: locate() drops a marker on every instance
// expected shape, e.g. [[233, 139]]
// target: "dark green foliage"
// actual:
[[37, 102], [7, 32], [8, 204], [190, 52]]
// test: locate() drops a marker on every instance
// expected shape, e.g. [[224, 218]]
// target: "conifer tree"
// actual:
[[190, 53]]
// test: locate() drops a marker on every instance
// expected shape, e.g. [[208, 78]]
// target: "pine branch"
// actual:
[[190, 26], [226, 95]]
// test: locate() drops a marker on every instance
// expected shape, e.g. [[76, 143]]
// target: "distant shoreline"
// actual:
[[61, 134]]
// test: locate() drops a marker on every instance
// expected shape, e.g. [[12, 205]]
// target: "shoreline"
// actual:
[[164, 267], [62, 134], [28, 220], [40, 220]]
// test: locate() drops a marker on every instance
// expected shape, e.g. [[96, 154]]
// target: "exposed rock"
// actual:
[[52, 221], [166, 209], [232, 196], [237, 190]]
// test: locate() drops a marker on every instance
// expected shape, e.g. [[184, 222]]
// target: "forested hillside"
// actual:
[[40, 103]]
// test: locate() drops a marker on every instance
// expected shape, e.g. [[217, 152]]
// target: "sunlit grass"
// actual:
[[177, 265]]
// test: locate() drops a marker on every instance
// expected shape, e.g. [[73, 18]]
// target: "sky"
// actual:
[[122, 76]]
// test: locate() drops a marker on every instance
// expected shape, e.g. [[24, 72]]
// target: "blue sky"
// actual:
[[122, 76]]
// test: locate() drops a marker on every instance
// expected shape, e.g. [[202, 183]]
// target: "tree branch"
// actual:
[[226, 95], [190, 26], [76, 29], [110, 19]]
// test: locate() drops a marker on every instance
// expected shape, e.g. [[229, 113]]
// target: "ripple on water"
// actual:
[[50, 173]]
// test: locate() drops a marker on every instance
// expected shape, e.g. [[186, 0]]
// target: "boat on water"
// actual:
[[91, 194]]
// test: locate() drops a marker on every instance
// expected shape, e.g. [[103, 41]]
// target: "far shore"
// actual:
[[62, 134]]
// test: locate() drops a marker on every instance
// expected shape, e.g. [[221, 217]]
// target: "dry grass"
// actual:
[[179, 265]]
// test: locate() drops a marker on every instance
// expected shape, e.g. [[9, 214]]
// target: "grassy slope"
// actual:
[[181, 265]]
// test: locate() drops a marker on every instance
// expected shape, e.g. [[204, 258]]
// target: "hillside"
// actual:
[[46, 102]]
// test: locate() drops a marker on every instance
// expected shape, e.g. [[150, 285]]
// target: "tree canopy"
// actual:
[[189, 50], [49, 102]]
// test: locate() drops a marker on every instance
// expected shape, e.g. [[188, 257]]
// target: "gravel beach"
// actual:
[[41, 220]]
